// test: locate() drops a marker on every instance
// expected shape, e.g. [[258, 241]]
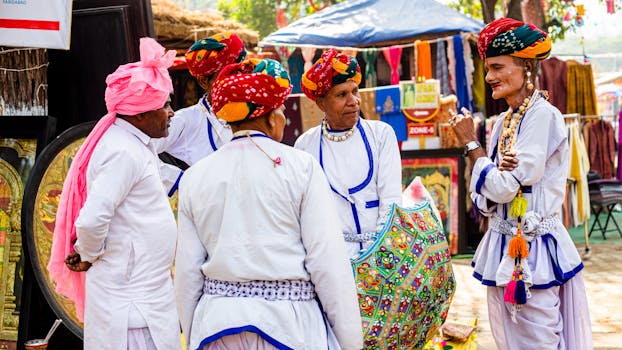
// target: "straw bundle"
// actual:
[[23, 81], [175, 27]]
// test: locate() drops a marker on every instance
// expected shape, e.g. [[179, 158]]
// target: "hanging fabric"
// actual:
[[462, 88], [451, 65], [284, 52], [469, 67], [370, 67], [442, 73], [308, 53], [581, 97], [392, 55], [424, 59], [479, 85], [552, 78]]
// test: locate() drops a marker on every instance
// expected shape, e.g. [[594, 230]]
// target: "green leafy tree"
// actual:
[[260, 15], [547, 15]]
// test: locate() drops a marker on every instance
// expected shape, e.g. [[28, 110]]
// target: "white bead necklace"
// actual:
[[335, 138]]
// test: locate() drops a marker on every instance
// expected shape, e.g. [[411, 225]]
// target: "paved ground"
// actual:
[[603, 278]]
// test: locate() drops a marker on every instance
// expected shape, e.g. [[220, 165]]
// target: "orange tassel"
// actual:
[[518, 246]]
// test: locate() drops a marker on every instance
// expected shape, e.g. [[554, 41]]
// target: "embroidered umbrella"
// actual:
[[404, 280]]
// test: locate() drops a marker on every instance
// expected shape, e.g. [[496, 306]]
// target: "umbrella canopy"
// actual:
[[367, 22]]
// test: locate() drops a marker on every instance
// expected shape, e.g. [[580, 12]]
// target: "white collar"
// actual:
[[127, 126]]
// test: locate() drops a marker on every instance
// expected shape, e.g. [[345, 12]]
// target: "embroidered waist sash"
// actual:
[[538, 227], [269, 290]]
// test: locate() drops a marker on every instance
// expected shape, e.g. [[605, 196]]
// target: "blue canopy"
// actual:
[[365, 22]]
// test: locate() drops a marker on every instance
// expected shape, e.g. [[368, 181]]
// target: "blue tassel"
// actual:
[[521, 292]]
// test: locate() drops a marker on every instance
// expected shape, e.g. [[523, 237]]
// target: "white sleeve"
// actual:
[[389, 171], [114, 176], [532, 152], [190, 255], [485, 206], [170, 176], [327, 260]]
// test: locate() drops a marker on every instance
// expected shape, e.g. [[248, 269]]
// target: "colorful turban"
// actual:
[[329, 70], [132, 89], [507, 36], [250, 89], [208, 56]]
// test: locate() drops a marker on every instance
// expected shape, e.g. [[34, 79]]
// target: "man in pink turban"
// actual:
[[259, 239], [113, 206]]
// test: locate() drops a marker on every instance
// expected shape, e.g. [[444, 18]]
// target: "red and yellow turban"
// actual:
[[250, 89], [506, 36], [329, 70], [208, 56]]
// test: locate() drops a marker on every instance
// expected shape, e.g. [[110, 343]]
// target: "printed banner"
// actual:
[[35, 23]]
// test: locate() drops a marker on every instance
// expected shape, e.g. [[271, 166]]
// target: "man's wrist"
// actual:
[[471, 146]]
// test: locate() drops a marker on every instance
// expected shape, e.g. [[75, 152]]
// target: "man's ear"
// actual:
[[320, 102], [272, 119]]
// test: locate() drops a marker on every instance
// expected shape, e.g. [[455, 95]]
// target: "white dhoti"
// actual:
[[544, 322], [240, 341], [140, 339]]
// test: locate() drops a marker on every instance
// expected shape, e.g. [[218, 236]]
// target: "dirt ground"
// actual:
[[603, 279]]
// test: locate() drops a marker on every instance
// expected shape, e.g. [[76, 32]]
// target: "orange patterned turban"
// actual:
[[329, 70]]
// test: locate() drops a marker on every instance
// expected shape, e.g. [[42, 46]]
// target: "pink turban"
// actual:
[[132, 89]]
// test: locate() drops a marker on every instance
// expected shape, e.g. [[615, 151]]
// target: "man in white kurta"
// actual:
[[360, 157], [365, 169], [126, 229], [259, 228]]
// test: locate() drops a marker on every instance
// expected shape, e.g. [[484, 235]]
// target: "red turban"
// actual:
[[250, 89], [507, 36], [208, 56], [329, 70]]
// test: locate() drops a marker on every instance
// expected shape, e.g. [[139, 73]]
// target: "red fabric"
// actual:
[[204, 60], [492, 29], [392, 55], [239, 83], [326, 72]]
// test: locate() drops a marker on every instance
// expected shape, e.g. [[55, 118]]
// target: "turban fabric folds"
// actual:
[[506, 36], [329, 70], [132, 89], [250, 89], [209, 55]]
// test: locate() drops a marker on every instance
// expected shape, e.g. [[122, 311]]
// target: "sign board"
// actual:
[[35, 23], [421, 129], [420, 101]]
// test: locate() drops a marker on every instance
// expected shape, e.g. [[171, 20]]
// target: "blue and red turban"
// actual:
[[507, 36], [208, 56], [250, 89], [331, 69]]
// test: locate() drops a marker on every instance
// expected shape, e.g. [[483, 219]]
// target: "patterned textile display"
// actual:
[[368, 104], [404, 280], [311, 114]]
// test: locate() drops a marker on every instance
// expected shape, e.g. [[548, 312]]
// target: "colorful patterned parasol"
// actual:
[[404, 281]]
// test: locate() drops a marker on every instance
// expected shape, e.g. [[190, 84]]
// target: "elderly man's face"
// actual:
[[155, 123], [342, 105], [506, 77]]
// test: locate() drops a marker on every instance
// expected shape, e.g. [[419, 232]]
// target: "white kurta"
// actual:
[[195, 133], [542, 170], [127, 230], [370, 178], [252, 221]]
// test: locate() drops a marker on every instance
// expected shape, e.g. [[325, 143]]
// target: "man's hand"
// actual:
[[463, 126], [508, 161], [75, 263]]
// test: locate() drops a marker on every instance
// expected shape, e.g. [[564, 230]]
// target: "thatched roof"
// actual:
[[175, 27]]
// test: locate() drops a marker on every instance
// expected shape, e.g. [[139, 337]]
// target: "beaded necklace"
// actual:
[[332, 137], [512, 120]]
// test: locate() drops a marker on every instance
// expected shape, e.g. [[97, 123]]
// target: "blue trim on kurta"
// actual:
[[482, 178], [238, 330], [209, 125], [359, 187], [175, 185], [252, 135], [372, 204]]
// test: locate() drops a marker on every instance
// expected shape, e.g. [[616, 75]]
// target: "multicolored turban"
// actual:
[[506, 36], [329, 70], [250, 89], [208, 56]]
